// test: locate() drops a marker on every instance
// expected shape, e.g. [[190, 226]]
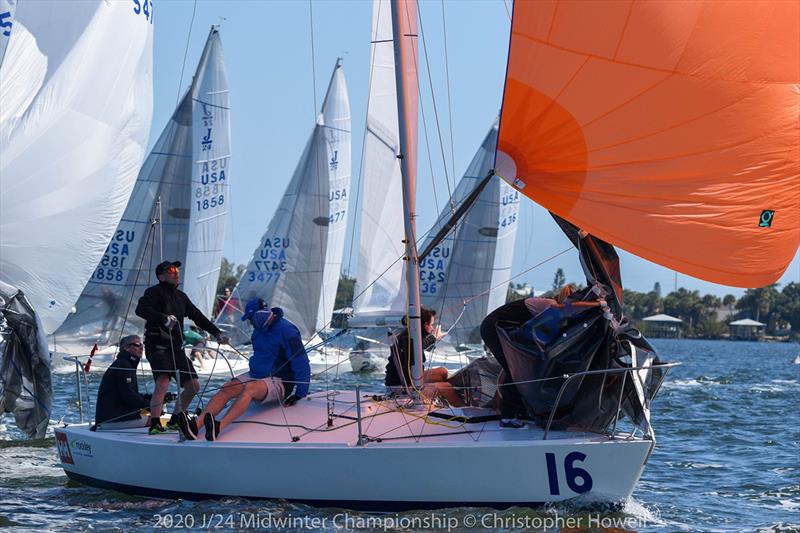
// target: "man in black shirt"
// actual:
[[164, 307], [118, 398]]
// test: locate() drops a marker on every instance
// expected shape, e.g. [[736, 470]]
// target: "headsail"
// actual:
[[211, 155], [472, 262], [667, 129], [166, 191], [380, 280], [76, 88], [298, 259]]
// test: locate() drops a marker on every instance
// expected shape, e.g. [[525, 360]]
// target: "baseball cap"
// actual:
[[256, 304], [162, 267]]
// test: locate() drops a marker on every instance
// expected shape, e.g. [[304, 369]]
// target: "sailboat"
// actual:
[[730, 126], [297, 261], [76, 92], [177, 211], [465, 275]]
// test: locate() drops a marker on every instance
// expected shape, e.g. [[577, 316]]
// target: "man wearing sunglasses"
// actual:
[[164, 307], [118, 400]]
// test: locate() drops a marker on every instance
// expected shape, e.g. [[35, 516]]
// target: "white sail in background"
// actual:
[[297, 262], [165, 191], [76, 92], [380, 280], [473, 260], [7, 9], [211, 140]]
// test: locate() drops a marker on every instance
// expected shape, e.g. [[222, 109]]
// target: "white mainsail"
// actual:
[[471, 263], [76, 92], [166, 191], [298, 259], [380, 281]]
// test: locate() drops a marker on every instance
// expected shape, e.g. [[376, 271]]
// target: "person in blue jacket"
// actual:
[[279, 372]]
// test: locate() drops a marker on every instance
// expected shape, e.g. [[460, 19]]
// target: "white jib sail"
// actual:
[[297, 262], [472, 262], [164, 191], [211, 149], [380, 280], [76, 92]]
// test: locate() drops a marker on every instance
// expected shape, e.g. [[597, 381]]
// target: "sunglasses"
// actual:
[[173, 270], [136, 344]]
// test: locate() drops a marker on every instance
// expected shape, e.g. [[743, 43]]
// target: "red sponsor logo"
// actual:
[[63, 448]]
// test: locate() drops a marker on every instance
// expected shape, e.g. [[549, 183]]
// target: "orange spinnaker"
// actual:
[[668, 128]]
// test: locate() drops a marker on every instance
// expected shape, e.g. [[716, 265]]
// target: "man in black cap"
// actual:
[[164, 307]]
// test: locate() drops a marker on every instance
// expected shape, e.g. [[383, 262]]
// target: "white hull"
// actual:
[[454, 463]]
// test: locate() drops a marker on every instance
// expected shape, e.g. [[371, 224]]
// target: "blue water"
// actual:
[[727, 458]]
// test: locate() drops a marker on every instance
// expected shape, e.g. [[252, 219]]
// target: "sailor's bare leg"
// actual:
[[254, 390]]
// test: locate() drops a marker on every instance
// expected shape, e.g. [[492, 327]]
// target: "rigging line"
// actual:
[[150, 233], [185, 53], [433, 102], [505, 4], [537, 265], [316, 134], [449, 99], [313, 59]]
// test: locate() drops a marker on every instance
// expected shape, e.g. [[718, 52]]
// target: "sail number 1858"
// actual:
[[578, 479]]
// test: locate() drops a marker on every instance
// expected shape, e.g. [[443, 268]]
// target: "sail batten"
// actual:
[[668, 129]]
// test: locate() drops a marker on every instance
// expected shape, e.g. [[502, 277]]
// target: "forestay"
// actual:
[[76, 88], [169, 190], [667, 129], [298, 259], [465, 276]]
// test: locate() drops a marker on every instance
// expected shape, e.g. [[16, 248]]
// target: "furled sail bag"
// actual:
[[566, 341], [574, 339]]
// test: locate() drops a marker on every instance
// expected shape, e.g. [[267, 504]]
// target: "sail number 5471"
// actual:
[[578, 479]]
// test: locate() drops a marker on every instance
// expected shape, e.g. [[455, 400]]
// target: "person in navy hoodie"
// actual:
[[279, 372]]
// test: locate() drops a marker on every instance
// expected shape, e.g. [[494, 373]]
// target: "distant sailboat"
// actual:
[[76, 92], [297, 262], [466, 274], [177, 211]]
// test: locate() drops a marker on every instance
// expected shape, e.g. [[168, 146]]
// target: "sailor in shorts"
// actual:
[[279, 372]]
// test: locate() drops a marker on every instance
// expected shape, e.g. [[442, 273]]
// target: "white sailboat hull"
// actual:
[[452, 464]]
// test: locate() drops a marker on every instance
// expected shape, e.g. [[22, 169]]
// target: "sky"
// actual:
[[276, 90]]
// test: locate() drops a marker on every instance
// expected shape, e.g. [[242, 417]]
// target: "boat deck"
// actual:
[[384, 422]]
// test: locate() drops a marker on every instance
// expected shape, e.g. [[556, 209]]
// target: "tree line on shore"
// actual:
[[704, 316]]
